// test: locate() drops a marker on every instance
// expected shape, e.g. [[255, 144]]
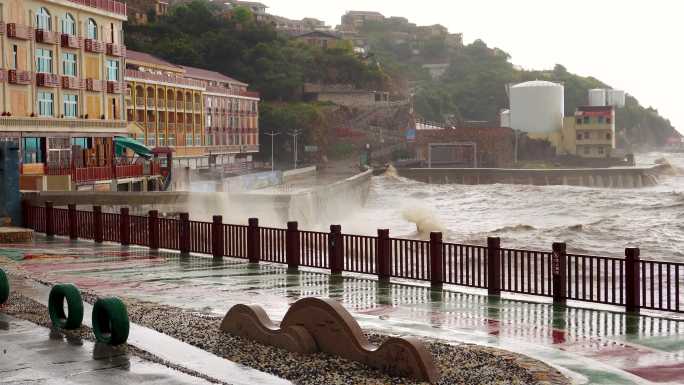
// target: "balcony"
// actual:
[[70, 41], [115, 87], [95, 85], [105, 5], [48, 80], [12, 123], [94, 46], [18, 31], [188, 106], [177, 81], [72, 83], [47, 37], [150, 102], [19, 77], [3, 75], [140, 102], [116, 50]]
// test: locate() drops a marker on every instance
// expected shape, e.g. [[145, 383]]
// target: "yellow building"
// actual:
[[61, 78], [590, 133]]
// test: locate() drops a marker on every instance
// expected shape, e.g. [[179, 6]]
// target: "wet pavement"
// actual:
[[596, 345], [33, 354]]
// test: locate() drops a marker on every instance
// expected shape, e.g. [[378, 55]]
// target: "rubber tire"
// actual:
[[110, 321], [56, 306], [4, 287]]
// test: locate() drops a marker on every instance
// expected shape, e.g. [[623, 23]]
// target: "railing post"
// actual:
[[217, 241], [124, 226], [25, 213], [49, 219], [382, 255], [253, 246], [494, 266], [184, 233], [436, 259], [559, 272], [73, 224], [153, 229], [632, 280], [292, 249], [335, 250], [98, 230]]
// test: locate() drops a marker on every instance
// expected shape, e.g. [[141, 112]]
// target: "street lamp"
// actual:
[[272, 134], [294, 134]]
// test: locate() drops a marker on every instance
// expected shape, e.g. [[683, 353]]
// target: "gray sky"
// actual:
[[633, 45]]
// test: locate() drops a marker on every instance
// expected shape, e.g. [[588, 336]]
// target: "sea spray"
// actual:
[[424, 218]]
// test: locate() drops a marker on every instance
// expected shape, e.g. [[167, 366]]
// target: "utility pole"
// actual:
[[294, 134], [272, 134]]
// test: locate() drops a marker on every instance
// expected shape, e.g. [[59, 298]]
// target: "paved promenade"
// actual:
[[589, 345]]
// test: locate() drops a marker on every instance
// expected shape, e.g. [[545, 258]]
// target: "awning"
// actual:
[[122, 143]]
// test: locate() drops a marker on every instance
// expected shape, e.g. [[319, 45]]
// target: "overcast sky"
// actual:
[[633, 45]]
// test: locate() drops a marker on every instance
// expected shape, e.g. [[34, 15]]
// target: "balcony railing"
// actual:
[[95, 85], [3, 75], [19, 77], [105, 5], [188, 106], [115, 87], [71, 41], [180, 105], [47, 37], [18, 31], [48, 80], [72, 83], [16, 123], [140, 102], [161, 103], [116, 50], [94, 46], [163, 78], [150, 102]]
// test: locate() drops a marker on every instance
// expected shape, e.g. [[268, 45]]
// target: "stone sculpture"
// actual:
[[313, 324]]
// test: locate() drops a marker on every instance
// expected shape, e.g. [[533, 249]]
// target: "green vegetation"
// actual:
[[200, 34], [473, 86]]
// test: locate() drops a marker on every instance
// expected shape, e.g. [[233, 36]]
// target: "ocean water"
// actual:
[[599, 221]]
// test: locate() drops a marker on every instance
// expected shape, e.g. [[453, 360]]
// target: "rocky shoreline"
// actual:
[[458, 364]]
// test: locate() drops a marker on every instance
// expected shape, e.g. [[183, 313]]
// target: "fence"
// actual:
[[629, 282]]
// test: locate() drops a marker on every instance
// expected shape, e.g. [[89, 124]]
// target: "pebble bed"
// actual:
[[457, 364]]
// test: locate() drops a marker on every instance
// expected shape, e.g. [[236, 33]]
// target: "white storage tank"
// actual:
[[597, 97], [537, 106], [615, 98], [505, 118]]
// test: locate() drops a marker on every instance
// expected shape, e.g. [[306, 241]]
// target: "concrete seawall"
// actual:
[[309, 206], [625, 177]]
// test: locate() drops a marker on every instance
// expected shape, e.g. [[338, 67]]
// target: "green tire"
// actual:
[[4, 287], [110, 321], [70, 293]]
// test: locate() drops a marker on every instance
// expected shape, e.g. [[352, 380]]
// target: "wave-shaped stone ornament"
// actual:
[[314, 324]]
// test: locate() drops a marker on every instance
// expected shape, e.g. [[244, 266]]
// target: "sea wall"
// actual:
[[625, 177]]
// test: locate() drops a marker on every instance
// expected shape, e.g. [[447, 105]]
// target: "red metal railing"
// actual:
[[48, 80], [129, 171], [105, 5], [90, 174], [629, 281], [19, 77], [71, 41]]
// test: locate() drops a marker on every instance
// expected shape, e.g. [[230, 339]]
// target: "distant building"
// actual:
[[256, 7], [590, 133], [435, 30], [320, 39], [139, 11], [344, 95], [356, 19], [436, 70]]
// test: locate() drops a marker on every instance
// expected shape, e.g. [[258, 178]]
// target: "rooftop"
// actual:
[[105, 5], [198, 73], [146, 58]]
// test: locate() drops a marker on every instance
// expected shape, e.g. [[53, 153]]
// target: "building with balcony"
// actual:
[[208, 118], [61, 79], [590, 133]]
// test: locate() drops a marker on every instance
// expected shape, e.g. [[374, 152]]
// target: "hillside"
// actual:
[[473, 85]]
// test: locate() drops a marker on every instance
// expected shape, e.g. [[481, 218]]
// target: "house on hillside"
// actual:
[[321, 39]]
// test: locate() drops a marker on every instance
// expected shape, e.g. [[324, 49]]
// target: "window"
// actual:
[[32, 150], [43, 61], [70, 106], [43, 20], [208, 120], [600, 150], [82, 142], [601, 119], [586, 135], [46, 104], [113, 70], [91, 32], [586, 120], [69, 64], [586, 151], [14, 57], [69, 25], [111, 34]]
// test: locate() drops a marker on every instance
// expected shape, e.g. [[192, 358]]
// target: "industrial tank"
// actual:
[[615, 98], [537, 106], [597, 97]]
